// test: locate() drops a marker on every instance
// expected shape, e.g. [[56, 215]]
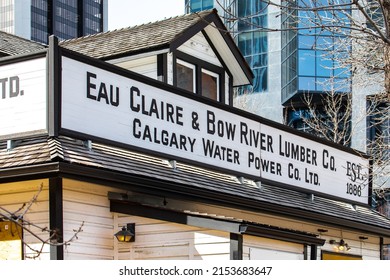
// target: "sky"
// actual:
[[125, 13]]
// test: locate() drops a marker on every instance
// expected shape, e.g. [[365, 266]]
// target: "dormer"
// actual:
[[194, 52]]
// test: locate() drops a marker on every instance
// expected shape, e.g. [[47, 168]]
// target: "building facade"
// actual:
[[38, 19], [143, 136]]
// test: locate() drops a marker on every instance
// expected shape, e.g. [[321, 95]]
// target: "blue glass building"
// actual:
[[308, 57]]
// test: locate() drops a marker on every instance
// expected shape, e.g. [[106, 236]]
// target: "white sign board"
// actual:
[[23, 98], [102, 104]]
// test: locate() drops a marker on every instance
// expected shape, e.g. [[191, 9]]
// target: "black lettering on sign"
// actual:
[[254, 138], [264, 165], [162, 137], [10, 87], [219, 127], [158, 109], [216, 151], [297, 152], [293, 172], [328, 161], [354, 171], [311, 178], [109, 94]]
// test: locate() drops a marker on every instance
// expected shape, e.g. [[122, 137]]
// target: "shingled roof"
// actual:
[[14, 45], [156, 35], [168, 34], [124, 164]]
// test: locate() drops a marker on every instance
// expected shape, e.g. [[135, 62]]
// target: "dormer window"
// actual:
[[210, 85], [199, 77], [186, 75]]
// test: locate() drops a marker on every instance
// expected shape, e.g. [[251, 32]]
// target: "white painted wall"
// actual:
[[146, 66], [88, 204], [155, 239], [160, 240]]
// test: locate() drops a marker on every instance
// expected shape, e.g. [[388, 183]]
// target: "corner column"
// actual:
[[56, 217]]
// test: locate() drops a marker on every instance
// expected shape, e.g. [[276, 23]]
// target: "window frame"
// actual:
[[190, 66], [215, 75], [200, 65], [11, 232]]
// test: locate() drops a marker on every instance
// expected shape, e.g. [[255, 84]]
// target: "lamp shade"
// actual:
[[126, 234]]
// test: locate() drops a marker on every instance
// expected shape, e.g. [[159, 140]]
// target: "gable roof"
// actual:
[[14, 45], [165, 34]]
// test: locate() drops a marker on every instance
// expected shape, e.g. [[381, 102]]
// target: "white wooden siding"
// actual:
[[227, 84], [197, 47], [161, 240], [146, 66], [155, 239], [369, 249], [170, 69], [271, 254], [88, 204]]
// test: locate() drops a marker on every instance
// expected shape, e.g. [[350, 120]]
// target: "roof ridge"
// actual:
[[55, 148]]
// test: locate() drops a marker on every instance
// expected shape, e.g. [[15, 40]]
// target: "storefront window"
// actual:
[[338, 256], [10, 241]]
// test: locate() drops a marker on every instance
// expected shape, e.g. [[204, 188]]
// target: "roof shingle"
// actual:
[[134, 39], [14, 45]]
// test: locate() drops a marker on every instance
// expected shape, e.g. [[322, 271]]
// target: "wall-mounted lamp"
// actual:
[[127, 234], [341, 246]]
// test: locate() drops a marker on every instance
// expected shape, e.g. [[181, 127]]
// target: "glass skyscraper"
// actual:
[[252, 40], [37, 19], [308, 57], [310, 66]]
